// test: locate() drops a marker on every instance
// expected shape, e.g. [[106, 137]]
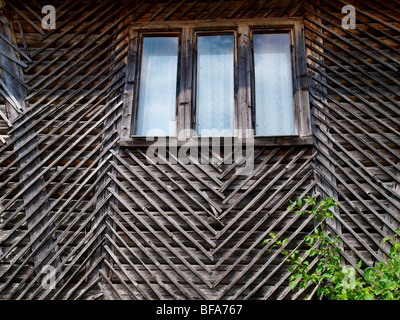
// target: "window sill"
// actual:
[[259, 141]]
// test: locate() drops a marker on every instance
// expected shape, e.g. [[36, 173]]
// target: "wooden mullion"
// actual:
[[184, 111], [243, 119]]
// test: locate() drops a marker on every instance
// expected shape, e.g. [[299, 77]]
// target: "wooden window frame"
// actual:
[[243, 30]]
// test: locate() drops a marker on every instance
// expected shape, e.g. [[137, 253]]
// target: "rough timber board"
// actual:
[[122, 228]]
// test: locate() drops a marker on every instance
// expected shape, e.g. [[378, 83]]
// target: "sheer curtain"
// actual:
[[215, 85], [158, 81], [273, 84]]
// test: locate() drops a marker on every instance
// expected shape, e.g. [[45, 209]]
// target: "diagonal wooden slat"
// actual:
[[119, 226]]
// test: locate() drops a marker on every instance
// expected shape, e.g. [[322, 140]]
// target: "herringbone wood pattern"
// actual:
[[116, 226]]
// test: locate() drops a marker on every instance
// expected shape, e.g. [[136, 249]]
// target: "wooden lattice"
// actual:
[[116, 226]]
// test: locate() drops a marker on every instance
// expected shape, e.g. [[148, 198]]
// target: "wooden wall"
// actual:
[[117, 227]]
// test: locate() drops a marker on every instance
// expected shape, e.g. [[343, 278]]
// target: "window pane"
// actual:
[[273, 85], [215, 85], [158, 81]]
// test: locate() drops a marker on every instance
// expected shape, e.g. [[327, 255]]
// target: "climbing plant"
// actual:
[[333, 279]]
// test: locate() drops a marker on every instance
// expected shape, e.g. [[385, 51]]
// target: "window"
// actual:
[[217, 78], [273, 88], [157, 86], [215, 85]]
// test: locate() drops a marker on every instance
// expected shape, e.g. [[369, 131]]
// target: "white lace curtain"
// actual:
[[215, 85], [158, 81], [273, 84]]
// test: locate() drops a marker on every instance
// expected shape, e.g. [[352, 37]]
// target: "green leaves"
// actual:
[[337, 281], [299, 202]]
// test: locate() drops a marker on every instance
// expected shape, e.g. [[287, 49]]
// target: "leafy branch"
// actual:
[[332, 279]]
